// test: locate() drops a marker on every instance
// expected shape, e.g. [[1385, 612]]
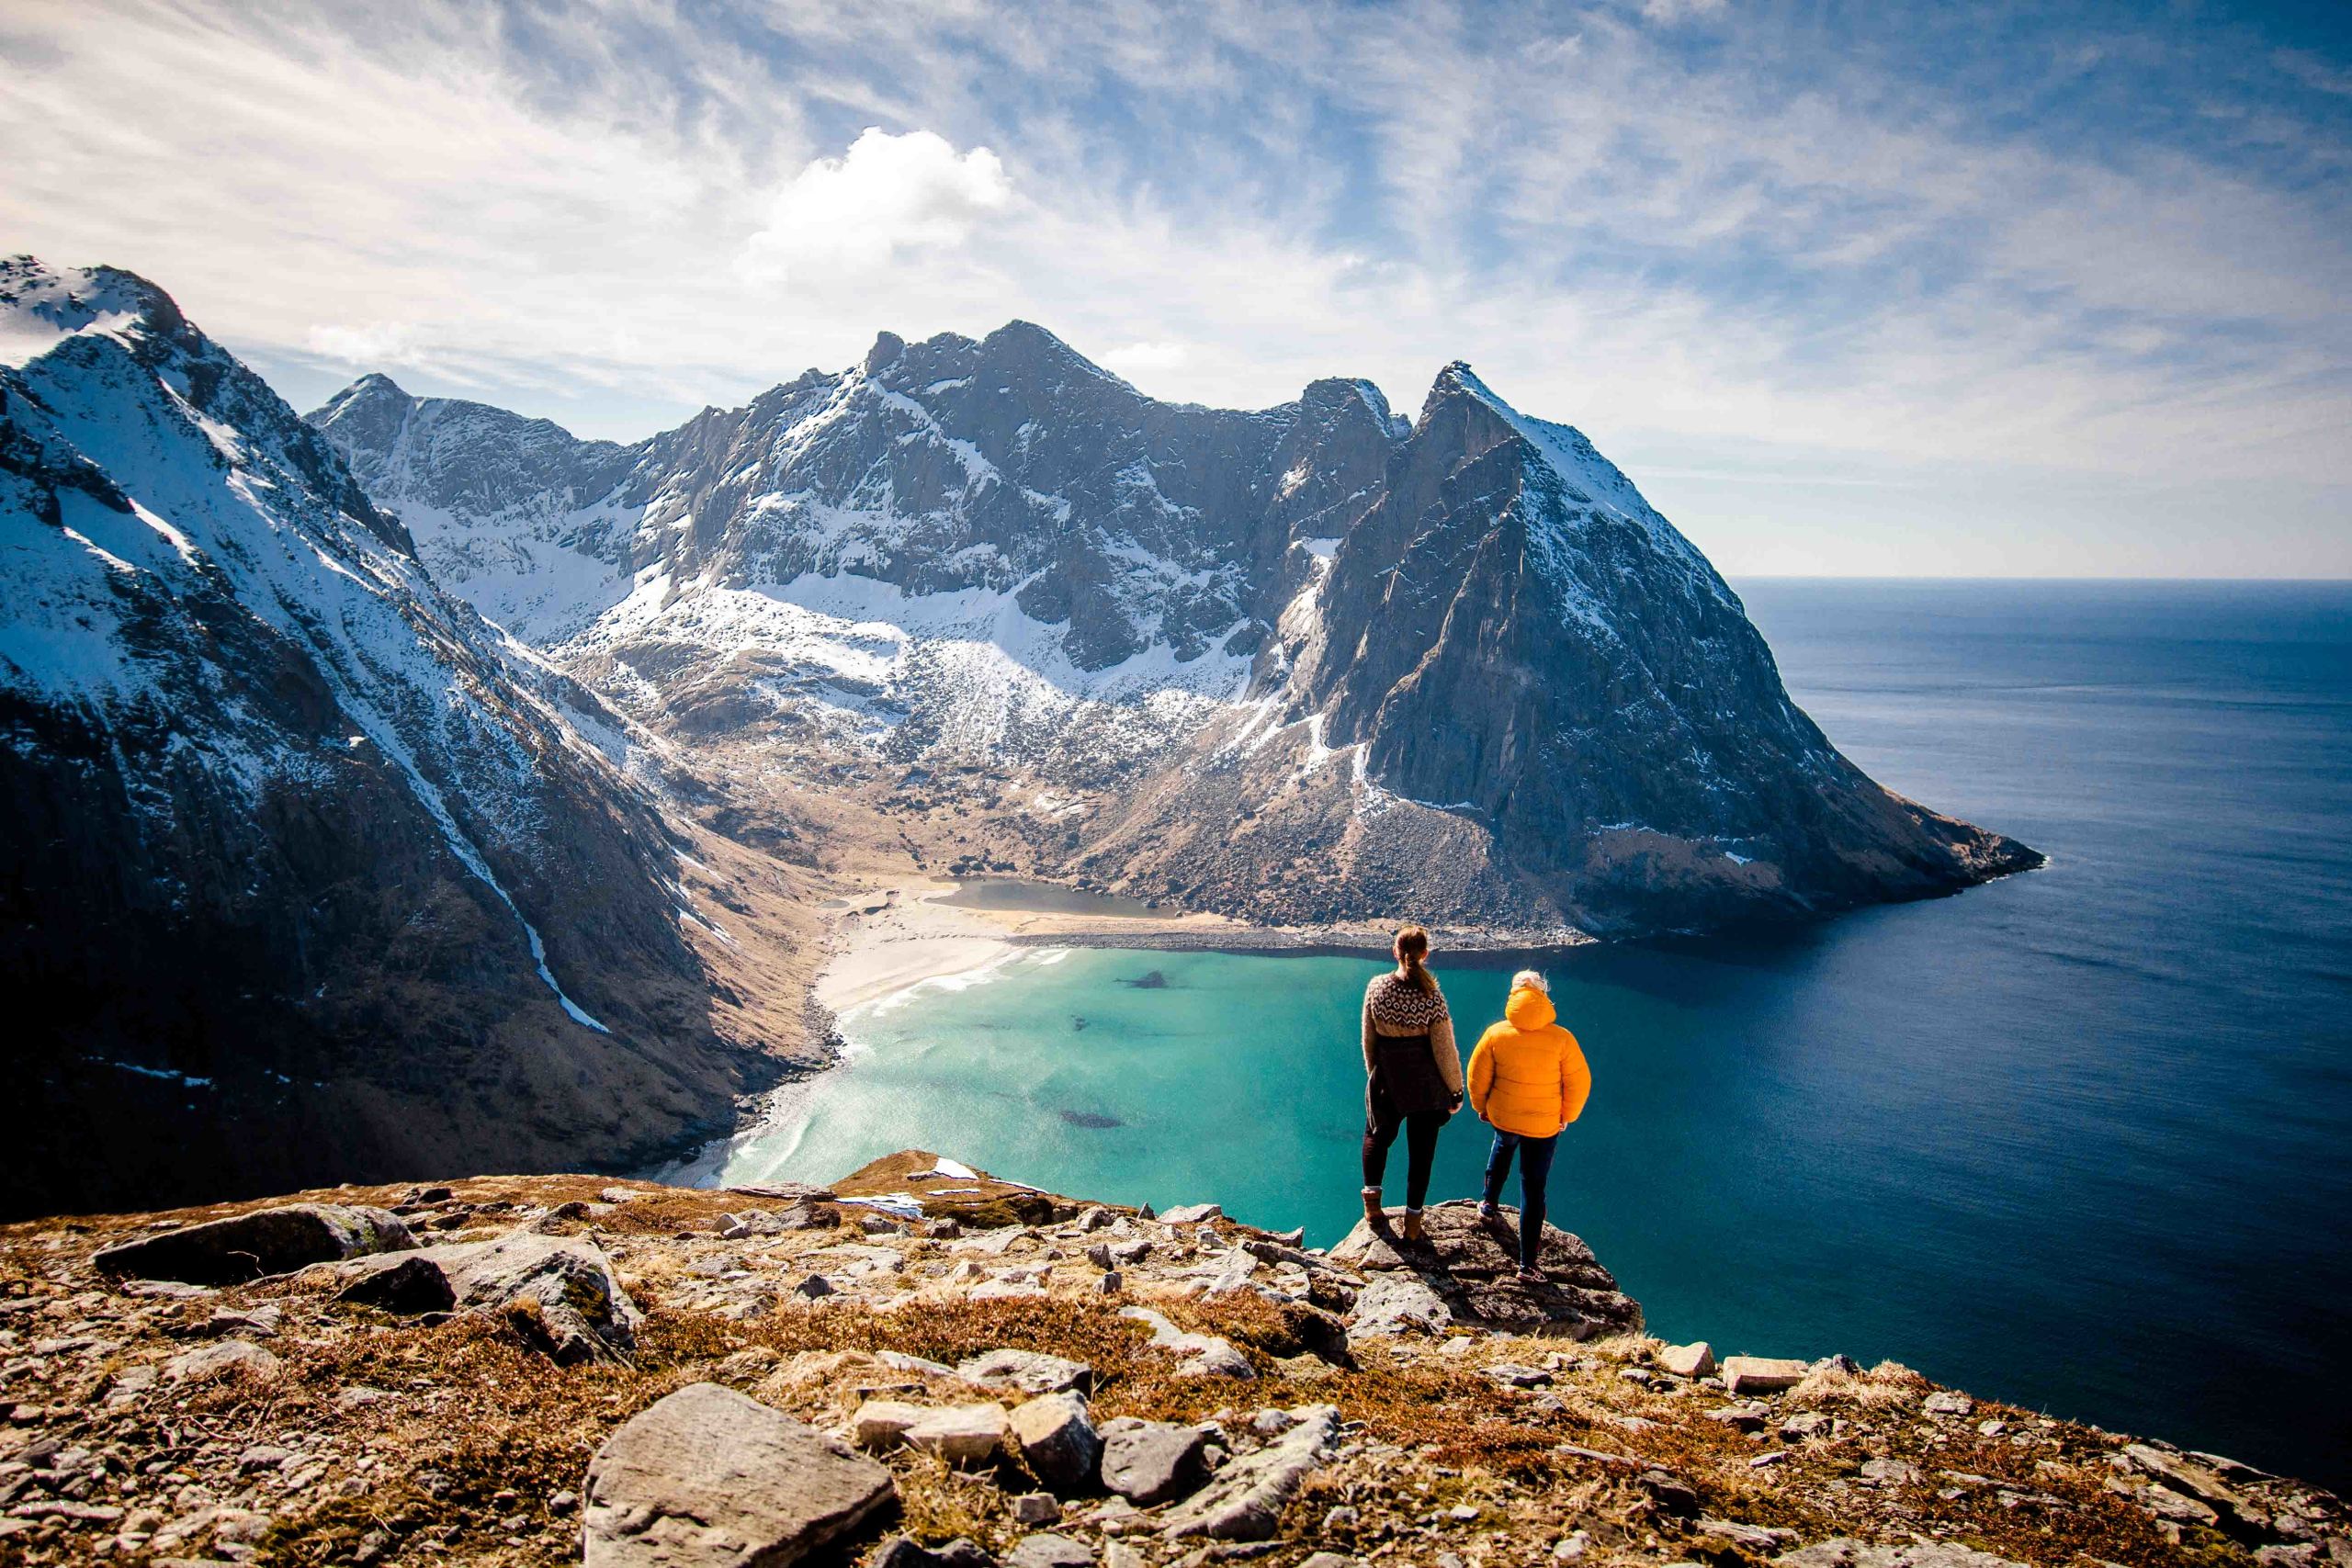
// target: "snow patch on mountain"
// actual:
[[1574, 462], [209, 546], [978, 670]]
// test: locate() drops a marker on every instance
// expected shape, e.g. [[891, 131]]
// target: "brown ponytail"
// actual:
[[1412, 946]]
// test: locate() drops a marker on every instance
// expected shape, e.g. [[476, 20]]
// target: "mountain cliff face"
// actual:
[[311, 872], [1308, 663]]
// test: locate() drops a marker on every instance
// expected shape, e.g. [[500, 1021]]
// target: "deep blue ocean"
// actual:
[[2080, 1140]]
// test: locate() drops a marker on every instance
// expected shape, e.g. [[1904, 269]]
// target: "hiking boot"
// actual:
[[1373, 1212], [1413, 1231]]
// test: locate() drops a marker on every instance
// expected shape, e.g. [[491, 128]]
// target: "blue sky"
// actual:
[[1933, 290]]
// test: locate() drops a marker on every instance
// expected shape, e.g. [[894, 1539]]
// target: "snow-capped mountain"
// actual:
[[312, 872], [1309, 662], [988, 544]]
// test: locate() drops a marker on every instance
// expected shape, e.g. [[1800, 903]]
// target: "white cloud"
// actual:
[[1681, 252], [1137, 359], [886, 196], [372, 345], [2314, 71], [1670, 11]]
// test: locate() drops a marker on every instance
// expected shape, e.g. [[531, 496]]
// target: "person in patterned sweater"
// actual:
[[1412, 1075]]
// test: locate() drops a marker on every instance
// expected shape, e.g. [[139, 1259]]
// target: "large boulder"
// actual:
[[249, 1247], [1059, 1440], [708, 1476], [560, 1292], [1743, 1375], [1696, 1360], [404, 1284], [1469, 1264], [1151, 1462], [1395, 1302], [1245, 1501]]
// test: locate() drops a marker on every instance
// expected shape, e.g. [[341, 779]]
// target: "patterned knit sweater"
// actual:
[[1394, 1007]]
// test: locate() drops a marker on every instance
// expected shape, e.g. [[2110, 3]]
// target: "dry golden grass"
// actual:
[[474, 1435]]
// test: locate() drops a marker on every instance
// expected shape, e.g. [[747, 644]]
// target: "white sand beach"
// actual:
[[898, 934]]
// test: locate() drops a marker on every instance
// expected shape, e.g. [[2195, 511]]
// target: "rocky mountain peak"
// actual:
[[354, 843], [1083, 584], [41, 305], [370, 411]]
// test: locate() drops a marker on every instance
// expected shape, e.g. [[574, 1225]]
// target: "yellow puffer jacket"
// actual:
[[1528, 1076]]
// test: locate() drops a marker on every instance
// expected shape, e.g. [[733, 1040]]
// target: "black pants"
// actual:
[[1535, 1170], [1380, 1123]]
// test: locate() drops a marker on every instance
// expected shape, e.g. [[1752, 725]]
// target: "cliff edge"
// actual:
[[926, 1365]]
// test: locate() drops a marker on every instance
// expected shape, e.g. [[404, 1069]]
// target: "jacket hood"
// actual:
[[1529, 1009]]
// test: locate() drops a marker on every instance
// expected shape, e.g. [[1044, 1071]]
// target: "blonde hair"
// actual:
[[1411, 947], [1533, 980]]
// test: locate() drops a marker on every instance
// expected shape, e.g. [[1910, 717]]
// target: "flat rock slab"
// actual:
[[218, 1360], [1462, 1243], [707, 1476], [1049, 1551], [900, 1552], [1246, 1499], [1755, 1538], [251, 1247], [1151, 1462], [1468, 1267], [1205, 1355], [1841, 1552], [786, 1191], [2188, 1478], [1031, 1371], [960, 1434], [1762, 1374], [883, 1423]]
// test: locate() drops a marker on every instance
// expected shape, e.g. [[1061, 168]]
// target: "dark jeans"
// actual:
[[1380, 1123], [1535, 1170]]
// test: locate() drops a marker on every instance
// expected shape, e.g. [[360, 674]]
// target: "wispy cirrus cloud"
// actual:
[[2055, 260]]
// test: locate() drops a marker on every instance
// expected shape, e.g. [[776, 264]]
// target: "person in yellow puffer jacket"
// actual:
[[1528, 1079]]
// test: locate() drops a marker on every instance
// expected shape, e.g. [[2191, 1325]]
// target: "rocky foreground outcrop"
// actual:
[[923, 1366]]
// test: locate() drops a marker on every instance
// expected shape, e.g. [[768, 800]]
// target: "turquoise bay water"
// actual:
[[2078, 1139]]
